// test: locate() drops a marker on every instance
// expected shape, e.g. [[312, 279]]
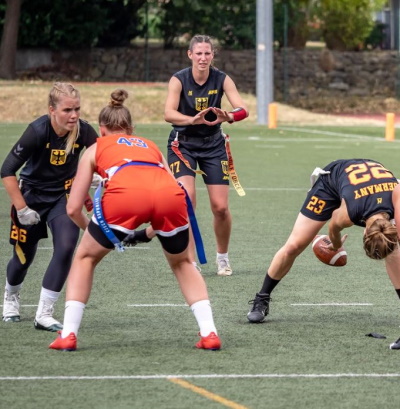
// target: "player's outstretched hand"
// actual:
[[344, 238], [222, 116], [200, 118]]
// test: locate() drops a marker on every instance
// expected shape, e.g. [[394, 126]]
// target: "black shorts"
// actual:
[[172, 244], [48, 205], [208, 154], [321, 201]]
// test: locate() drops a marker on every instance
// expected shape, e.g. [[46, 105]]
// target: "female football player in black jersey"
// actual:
[[193, 107], [48, 153], [346, 192]]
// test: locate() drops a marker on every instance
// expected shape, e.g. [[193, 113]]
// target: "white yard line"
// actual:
[[333, 304], [202, 376]]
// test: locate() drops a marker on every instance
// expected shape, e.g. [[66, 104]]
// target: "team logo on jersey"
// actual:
[[190, 93], [224, 166], [58, 157], [201, 104]]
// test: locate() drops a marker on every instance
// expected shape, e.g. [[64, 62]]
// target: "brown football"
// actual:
[[332, 258]]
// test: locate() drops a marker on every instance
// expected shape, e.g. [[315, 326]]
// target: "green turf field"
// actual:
[[136, 342]]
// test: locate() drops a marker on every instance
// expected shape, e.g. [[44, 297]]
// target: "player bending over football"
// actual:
[[346, 192]]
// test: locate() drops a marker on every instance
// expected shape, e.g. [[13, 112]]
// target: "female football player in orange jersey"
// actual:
[[139, 188]]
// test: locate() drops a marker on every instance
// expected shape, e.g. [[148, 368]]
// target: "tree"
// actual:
[[124, 19], [9, 39], [232, 23], [292, 20], [347, 23]]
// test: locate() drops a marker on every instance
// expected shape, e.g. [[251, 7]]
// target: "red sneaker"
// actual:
[[64, 344], [211, 341]]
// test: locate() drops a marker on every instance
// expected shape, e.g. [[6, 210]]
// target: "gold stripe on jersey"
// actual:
[[20, 253]]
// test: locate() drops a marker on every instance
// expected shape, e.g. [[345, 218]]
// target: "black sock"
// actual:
[[398, 292], [268, 285]]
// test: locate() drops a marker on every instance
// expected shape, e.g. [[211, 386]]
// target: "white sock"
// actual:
[[12, 289], [203, 314], [49, 295], [222, 256], [72, 317]]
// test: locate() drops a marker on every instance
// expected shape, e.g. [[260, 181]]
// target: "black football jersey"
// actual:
[[365, 185], [41, 152], [195, 98]]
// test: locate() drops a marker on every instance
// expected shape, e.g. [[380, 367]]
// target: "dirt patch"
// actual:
[[25, 101]]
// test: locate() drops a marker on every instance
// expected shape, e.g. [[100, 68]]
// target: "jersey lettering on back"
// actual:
[[367, 188]]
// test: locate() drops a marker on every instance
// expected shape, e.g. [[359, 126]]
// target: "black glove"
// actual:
[[138, 236]]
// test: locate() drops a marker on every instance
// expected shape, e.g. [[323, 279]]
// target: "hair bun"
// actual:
[[118, 97]]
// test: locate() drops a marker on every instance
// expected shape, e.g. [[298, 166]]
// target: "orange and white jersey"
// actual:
[[139, 193]]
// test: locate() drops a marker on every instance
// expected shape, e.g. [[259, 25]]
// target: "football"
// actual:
[[332, 258]]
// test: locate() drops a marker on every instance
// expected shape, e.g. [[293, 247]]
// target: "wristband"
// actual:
[[238, 114]]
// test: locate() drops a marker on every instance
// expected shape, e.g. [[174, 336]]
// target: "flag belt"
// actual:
[[231, 167]]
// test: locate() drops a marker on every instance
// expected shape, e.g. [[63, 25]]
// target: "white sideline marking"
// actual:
[[157, 305], [201, 376], [24, 305], [186, 305], [314, 131], [334, 304]]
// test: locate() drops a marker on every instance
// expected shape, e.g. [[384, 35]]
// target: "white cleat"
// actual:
[[224, 269], [11, 307], [44, 317]]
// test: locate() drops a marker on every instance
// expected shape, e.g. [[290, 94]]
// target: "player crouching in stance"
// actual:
[[139, 189], [347, 192]]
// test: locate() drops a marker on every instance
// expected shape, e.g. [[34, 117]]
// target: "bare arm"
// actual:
[[339, 221], [12, 188], [80, 188], [234, 99], [233, 95]]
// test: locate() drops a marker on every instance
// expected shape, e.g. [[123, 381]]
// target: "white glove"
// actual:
[[28, 216], [96, 180]]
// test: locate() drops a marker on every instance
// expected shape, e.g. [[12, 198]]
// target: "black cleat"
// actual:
[[260, 308], [395, 345]]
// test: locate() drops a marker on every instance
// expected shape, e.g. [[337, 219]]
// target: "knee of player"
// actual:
[[293, 248], [221, 212]]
